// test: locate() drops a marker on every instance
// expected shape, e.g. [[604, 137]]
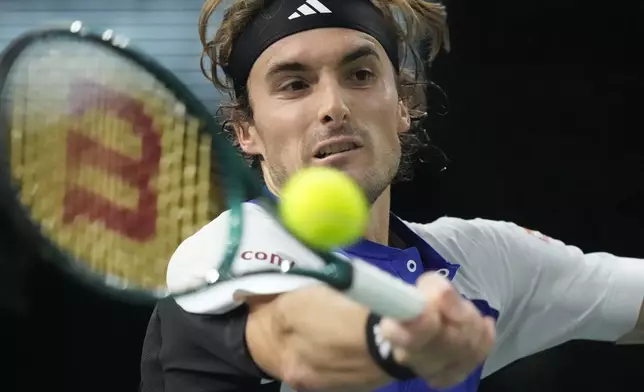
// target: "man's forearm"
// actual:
[[313, 339]]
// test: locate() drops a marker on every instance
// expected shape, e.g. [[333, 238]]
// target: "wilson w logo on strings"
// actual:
[[132, 174]]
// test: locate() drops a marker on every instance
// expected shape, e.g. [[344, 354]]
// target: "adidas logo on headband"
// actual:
[[310, 7]]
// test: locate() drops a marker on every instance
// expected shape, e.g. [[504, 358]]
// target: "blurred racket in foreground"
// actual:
[[109, 162]]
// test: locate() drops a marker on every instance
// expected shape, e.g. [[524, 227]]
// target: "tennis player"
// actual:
[[321, 82]]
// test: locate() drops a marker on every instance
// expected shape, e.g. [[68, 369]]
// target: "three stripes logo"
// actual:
[[310, 7]]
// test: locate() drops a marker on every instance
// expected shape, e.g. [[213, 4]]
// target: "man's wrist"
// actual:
[[382, 352]]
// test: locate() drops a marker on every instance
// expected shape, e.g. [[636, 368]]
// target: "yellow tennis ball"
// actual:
[[324, 208]]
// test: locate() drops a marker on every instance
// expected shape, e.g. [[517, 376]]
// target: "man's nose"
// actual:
[[334, 112]]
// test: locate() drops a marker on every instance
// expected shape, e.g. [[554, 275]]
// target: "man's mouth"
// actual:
[[336, 148]]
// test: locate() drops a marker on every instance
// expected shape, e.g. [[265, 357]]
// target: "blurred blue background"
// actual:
[[164, 29]]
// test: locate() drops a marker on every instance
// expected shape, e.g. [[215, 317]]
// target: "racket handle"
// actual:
[[383, 293]]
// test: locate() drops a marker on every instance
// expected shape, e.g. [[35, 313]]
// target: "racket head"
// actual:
[[63, 95]]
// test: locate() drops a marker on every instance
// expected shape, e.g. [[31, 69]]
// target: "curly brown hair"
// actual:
[[414, 21]]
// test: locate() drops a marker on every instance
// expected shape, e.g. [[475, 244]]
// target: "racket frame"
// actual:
[[31, 232]]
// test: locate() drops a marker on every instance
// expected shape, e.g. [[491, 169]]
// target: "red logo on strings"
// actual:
[[138, 224]]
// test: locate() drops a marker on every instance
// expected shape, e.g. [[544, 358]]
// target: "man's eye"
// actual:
[[362, 76], [294, 85]]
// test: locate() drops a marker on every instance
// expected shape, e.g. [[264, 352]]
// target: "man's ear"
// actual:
[[248, 138], [404, 117]]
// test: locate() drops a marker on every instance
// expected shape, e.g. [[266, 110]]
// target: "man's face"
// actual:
[[326, 97]]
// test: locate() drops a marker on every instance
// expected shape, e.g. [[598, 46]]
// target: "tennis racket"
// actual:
[[109, 162]]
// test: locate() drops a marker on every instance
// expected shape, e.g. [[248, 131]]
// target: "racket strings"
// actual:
[[107, 160]]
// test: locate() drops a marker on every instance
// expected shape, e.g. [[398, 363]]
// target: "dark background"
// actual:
[[543, 130]]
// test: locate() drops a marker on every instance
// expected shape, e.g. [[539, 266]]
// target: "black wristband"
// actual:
[[382, 353]]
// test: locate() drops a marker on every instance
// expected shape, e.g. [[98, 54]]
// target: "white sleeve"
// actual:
[[263, 243], [546, 292]]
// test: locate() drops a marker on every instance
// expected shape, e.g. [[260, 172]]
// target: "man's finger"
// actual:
[[457, 309], [413, 334], [419, 331]]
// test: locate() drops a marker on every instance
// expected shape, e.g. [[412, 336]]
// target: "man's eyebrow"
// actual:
[[285, 66], [294, 66], [358, 53]]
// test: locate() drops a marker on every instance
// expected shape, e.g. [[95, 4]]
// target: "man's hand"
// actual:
[[448, 341], [315, 339]]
